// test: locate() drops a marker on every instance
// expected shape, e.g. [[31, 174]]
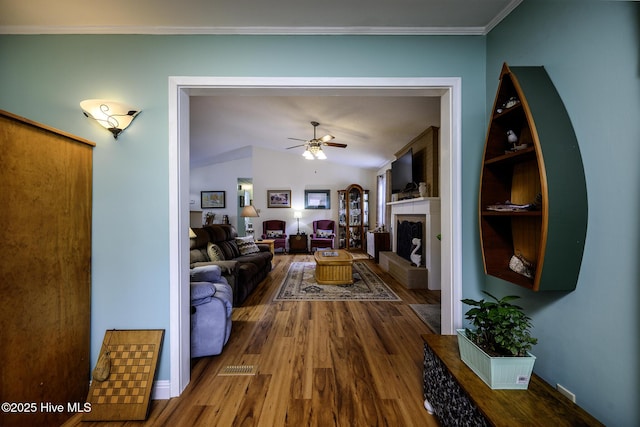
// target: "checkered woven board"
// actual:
[[125, 394]]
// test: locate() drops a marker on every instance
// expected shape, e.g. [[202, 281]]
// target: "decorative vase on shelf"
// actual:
[[422, 188]]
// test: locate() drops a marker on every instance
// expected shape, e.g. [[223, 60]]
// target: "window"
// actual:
[[381, 200]]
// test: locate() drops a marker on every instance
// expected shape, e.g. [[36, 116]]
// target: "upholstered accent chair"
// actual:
[[324, 233], [211, 308], [276, 230]]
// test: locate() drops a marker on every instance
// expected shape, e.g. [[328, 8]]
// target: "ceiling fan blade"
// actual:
[[316, 143], [326, 138], [335, 144]]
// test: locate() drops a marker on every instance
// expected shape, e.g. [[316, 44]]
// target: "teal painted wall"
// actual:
[[590, 50], [588, 339], [45, 77]]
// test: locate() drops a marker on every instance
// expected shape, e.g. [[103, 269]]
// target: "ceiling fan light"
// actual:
[[313, 147]]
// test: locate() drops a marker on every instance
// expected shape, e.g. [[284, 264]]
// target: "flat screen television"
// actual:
[[402, 172]]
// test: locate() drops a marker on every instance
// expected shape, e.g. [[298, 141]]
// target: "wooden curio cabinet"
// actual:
[[533, 199], [353, 217]]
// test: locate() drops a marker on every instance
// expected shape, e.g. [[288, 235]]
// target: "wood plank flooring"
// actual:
[[317, 364]]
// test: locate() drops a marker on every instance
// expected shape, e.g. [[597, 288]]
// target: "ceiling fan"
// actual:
[[313, 147]]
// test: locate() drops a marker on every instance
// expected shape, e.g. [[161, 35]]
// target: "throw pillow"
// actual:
[[214, 252], [198, 255], [324, 233], [247, 246], [230, 249], [274, 234]]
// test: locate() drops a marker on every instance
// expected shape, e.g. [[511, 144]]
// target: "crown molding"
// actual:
[[503, 14], [256, 29], [390, 31]]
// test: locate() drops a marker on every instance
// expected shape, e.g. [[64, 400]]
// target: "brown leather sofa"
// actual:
[[243, 265]]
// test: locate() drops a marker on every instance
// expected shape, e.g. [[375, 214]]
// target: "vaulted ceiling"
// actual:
[[373, 128]]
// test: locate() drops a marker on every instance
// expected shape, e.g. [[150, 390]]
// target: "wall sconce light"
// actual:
[[112, 115]]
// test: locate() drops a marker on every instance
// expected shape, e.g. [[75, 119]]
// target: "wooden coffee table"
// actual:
[[334, 267]]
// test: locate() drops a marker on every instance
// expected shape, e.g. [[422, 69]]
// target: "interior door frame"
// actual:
[[181, 88]]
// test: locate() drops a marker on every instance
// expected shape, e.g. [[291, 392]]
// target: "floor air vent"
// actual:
[[238, 370]]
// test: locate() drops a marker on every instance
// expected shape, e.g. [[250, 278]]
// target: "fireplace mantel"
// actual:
[[429, 209], [424, 201]]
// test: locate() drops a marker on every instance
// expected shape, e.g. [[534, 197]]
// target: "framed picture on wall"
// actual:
[[278, 198], [317, 199], [212, 199]]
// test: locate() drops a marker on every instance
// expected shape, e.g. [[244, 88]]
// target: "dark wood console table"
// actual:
[[459, 397]]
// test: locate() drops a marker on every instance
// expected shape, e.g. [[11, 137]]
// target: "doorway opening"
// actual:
[[182, 88], [245, 198]]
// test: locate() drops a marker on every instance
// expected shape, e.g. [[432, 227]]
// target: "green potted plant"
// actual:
[[497, 348]]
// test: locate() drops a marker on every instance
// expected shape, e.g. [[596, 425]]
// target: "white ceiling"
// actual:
[[373, 127]]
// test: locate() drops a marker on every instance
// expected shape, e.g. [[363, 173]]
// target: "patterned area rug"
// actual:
[[430, 315], [300, 285]]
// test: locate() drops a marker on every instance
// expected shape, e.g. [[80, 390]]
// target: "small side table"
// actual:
[[270, 242], [298, 243]]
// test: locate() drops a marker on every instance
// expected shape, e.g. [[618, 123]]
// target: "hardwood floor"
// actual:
[[317, 364]]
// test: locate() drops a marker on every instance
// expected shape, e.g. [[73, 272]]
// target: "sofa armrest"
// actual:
[[230, 271], [263, 247]]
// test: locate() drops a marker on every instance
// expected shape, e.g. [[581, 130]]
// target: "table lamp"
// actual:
[[297, 215], [248, 212]]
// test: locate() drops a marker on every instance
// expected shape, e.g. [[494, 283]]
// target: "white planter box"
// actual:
[[497, 372]]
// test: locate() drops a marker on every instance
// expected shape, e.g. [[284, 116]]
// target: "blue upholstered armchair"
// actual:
[[211, 308], [324, 233], [276, 230]]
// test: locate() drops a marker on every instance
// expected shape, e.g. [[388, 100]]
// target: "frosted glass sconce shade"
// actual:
[[112, 115]]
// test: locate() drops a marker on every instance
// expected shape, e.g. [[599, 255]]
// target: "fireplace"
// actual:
[[422, 213], [406, 231]]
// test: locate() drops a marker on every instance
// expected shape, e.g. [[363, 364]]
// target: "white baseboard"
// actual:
[[161, 390]]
